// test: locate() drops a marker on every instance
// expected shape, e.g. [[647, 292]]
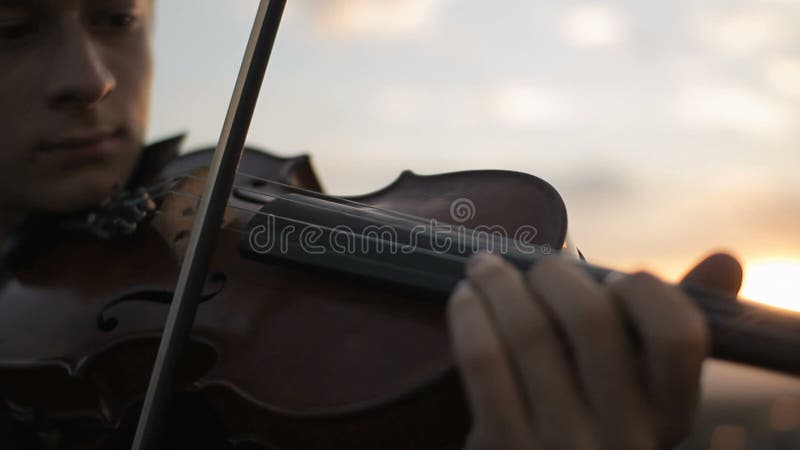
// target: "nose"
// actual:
[[80, 76]]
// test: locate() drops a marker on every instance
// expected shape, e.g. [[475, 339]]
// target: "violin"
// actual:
[[297, 350], [308, 321], [297, 357], [295, 354]]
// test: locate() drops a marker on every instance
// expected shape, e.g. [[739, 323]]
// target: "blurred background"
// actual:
[[670, 128]]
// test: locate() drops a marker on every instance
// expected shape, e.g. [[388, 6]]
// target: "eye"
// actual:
[[122, 20], [115, 21]]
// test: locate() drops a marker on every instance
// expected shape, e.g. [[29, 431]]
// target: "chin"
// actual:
[[81, 196]]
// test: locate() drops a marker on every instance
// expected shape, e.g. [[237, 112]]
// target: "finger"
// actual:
[[494, 398], [534, 350], [719, 271], [601, 351], [674, 341]]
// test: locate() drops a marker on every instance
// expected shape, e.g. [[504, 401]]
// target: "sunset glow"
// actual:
[[773, 281]]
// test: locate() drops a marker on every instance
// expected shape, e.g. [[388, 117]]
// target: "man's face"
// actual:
[[74, 92]]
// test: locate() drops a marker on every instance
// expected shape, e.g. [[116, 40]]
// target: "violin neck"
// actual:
[[740, 332], [750, 334]]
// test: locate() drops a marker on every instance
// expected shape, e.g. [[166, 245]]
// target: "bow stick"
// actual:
[[205, 231]]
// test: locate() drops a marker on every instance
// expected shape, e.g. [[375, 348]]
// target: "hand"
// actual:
[[548, 362]]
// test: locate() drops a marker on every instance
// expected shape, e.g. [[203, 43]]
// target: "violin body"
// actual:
[[290, 357]]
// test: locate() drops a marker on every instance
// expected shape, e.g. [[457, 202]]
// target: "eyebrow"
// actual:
[[45, 4]]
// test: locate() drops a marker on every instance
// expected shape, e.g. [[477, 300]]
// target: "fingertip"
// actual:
[[632, 284], [553, 269], [480, 262], [546, 264], [719, 271], [462, 300], [723, 261]]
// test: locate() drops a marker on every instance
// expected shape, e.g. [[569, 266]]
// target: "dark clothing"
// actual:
[[15, 434], [192, 422], [37, 231]]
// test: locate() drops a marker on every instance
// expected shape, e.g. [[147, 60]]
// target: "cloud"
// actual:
[[666, 227], [783, 73], [731, 107], [594, 25], [524, 105], [429, 107], [377, 18], [517, 105], [743, 32], [398, 103]]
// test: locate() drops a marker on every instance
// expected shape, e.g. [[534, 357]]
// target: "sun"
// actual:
[[774, 281]]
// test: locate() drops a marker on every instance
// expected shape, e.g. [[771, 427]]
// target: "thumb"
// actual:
[[719, 271]]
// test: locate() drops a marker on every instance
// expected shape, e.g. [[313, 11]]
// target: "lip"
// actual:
[[86, 144]]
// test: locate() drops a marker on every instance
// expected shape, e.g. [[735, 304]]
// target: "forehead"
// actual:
[[54, 5]]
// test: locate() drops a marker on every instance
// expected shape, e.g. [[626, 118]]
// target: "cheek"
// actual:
[[133, 67], [18, 176], [78, 188]]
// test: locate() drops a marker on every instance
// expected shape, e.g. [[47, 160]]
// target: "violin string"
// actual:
[[426, 251], [309, 192], [164, 193], [156, 188], [372, 238], [351, 202], [398, 214], [501, 241], [497, 240], [416, 219]]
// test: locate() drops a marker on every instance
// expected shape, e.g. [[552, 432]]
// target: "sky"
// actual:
[[669, 128]]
